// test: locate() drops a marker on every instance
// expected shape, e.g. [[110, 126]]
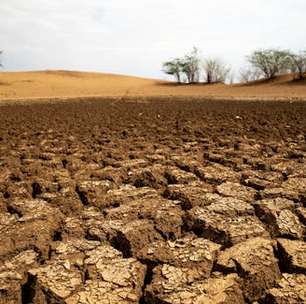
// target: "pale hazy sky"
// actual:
[[135, 36]]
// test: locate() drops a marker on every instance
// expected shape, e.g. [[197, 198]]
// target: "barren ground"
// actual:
[[169, 201], [69, 84]]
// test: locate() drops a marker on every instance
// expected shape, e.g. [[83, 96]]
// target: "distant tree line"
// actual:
[[191, 68], [262, 64], [0, 58]]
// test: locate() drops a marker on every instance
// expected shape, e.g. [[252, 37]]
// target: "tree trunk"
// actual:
[[300, 73], [208, 77]]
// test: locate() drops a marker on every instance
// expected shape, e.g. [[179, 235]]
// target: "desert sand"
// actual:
[[71, 84]]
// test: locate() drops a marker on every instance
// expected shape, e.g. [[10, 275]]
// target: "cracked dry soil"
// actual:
[[176, 202]]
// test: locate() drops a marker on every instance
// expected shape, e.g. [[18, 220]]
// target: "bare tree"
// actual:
[[190, 65], [215, 71], [231, 77], [249, 74], [174, 68], [270, 62], [298, 63]]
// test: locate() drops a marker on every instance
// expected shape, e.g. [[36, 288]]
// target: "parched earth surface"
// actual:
[[161, 201]]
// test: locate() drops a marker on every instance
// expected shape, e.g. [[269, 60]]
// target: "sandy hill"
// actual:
[[65, 84]]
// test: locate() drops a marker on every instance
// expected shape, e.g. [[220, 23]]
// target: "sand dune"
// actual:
[[66, 84]]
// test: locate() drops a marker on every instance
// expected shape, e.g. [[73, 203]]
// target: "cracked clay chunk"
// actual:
[[301, 212], [33, 225], [281, 221], [104, 293], [106, 264], [217, 174], [13, 274], [287, 193], [290, 290], [102, 275], [255, 264], [297, 184], [215, 290], [237, 191], [131, 237], [292, 255], [192, 195], [178, 176], [92, 192], [54, 282], [222, 229], [152, 176], [165, 214], [231, 207], [188, 252], [111, 279], [126, 194]]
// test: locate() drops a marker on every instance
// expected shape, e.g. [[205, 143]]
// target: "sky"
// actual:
[[134, 37]]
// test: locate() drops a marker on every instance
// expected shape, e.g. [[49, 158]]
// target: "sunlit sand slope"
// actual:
[[62, 84]]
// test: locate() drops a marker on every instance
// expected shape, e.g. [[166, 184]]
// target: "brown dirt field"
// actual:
[[183, 201], [69, 84]]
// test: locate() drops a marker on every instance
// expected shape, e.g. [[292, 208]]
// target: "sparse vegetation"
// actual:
[[174, 68], [270, 62], [215, 71], [263, 64], [185, 69], [298, 64], [249, 75], [190, 64]]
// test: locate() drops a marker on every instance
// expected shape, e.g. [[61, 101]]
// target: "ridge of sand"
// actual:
[[59, 84]]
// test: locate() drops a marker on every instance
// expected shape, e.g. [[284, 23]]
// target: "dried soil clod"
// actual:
[[292, 255], [290, 289], [255, 264], [221, 228]]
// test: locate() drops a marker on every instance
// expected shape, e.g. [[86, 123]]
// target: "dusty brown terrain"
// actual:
[[68, 84], [183, 201]]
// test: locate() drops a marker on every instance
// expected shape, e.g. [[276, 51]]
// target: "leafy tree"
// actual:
[[298, 63], [174, 68], [215, 71], [270, 62]]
